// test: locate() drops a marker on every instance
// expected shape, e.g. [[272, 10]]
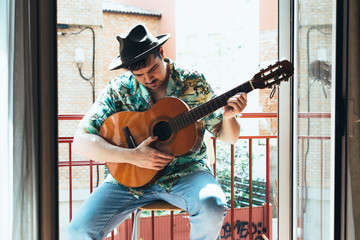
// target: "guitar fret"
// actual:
[[183, 124], [178, 123], [186, 119], [176, 119], [192, 116], [197, 115], [203, 113], [216, 103], [174, 124], [209, 108], [223, 100]]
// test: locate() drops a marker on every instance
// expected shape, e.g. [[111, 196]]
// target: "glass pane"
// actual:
[[314, 56]]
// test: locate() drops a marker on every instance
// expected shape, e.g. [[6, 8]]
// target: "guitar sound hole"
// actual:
[[163, 131]]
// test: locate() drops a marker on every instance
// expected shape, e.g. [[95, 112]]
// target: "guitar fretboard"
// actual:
[[193, 115]]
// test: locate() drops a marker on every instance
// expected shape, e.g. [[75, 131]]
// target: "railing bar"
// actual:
[[78, 163], [314, 137], [214, 166], [314, 115], [112, 235], [267, 187], [91, 176], [250, 188], [65, 139], [70, 116], [152, 225], [321, 196], [126, 228], [172, 225], [254, 137], [302, 187], [258, 115], [132, 221], [70, 182], [232, 192], [258, 137]]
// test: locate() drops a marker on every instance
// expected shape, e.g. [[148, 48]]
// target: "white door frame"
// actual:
[[284, 127]]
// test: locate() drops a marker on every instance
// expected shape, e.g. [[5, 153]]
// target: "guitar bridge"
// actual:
[[128, 137]]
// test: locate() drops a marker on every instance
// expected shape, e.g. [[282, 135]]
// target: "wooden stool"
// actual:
[[155, 206]]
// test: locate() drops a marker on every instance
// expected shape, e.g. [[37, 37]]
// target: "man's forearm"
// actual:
[[230, 130], [98, 149]]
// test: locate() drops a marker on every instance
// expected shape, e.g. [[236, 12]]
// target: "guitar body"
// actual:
[[142, 125]]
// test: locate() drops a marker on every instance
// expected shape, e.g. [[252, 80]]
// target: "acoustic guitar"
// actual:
[[175, 125]]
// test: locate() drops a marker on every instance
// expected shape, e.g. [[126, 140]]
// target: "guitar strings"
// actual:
[[189, 117]]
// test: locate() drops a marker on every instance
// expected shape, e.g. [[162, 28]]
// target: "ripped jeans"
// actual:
[[110, 204]]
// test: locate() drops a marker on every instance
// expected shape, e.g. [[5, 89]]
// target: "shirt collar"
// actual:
[[172, 88]]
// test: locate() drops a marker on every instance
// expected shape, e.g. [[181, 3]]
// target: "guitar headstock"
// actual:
[[273, 74]]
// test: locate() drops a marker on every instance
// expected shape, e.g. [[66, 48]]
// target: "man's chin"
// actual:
[[153, 85]]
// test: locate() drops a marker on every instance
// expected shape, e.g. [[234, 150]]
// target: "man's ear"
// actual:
[[162, 52]]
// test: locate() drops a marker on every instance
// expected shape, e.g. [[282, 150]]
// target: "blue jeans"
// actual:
[[109, 205]]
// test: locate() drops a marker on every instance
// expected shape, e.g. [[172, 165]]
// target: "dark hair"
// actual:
[[142, 62]]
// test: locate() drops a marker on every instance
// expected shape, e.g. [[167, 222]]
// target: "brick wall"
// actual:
[[79, 12], [268, 55]]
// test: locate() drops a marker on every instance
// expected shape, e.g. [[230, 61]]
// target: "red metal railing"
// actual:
[[303, 141], [70, 164]]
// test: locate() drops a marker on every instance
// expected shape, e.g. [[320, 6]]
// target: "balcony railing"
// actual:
[[230, 226]]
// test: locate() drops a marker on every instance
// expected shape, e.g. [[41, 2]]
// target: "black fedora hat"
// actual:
[[135, 45]]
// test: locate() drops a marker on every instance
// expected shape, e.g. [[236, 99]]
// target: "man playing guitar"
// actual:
[[184, 181]]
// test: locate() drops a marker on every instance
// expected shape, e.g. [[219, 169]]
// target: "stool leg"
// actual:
[[136, 227]]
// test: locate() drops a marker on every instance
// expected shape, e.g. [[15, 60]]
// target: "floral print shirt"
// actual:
[[126, 94]]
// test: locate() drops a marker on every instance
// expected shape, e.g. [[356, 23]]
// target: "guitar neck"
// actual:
[[193, 115]]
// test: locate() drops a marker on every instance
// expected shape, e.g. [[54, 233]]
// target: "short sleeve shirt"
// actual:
[[126, 94]]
